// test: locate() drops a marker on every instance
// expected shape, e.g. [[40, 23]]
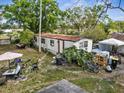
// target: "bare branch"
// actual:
[[119, 3], [110, 6], [107, 5], [99, 16]]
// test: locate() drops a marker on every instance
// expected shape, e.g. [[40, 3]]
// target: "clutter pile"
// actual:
[[106, 56]]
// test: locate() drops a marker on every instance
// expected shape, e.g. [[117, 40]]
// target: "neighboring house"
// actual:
[[119, 36], [56, 43]]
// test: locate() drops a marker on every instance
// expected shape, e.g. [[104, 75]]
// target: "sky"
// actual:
[[114, 14]]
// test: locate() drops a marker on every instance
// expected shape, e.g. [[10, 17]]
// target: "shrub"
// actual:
[[26, 37], [77, 56], [96, 34], [14, 37]]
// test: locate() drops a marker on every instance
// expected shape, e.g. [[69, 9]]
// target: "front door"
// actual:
[[58, 46]]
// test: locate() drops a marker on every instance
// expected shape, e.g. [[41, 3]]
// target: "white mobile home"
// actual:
[[56, 43]]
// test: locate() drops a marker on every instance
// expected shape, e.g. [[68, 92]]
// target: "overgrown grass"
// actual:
[[48, 74], [3, 36], [94, 85], [32, 77]]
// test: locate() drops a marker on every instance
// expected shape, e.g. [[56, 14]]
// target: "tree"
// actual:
[[5, 26], [107, 5], [115, 26], [26, 13], [83, 20], [26, 37], [95, 16], [110, 5], [75, 17], [63, 24], [96, 34]]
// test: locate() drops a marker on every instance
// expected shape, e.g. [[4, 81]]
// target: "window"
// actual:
[[43, 40], [85, 43], [52, 42], [35, 39], [81, 45]]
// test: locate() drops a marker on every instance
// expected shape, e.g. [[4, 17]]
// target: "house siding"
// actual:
[[88, 48], [54, 49], [68, 44]]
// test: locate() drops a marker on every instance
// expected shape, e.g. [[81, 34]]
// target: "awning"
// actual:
[[10, 56], [112, 41]]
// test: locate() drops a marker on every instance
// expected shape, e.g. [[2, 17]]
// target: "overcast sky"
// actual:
[[114, 14]]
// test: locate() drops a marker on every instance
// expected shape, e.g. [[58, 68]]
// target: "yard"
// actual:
[[48, 74]]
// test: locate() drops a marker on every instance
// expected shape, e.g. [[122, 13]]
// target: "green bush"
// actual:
[[96, 34], [26, 37], [77, 56], [14, 37]]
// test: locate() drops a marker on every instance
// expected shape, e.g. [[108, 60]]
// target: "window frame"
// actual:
[[81, 45], [52, 43], [35, 39], [85, 44], [43, 40]]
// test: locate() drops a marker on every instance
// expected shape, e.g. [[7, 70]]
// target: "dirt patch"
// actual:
[[30, 49]]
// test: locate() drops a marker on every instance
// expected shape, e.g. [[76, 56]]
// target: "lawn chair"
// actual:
[[12, 73]]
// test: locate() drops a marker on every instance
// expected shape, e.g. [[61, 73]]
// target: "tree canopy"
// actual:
[[26, 37], [83, 19], [26, 13], [71, 21]]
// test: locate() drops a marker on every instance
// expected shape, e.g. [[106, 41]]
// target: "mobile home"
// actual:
[[56, 43]]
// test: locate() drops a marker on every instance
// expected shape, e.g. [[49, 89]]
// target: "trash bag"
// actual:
[[92, 67], [60, 60], [108, 68]]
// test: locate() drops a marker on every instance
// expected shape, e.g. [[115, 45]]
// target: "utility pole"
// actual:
[[40, 25]]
